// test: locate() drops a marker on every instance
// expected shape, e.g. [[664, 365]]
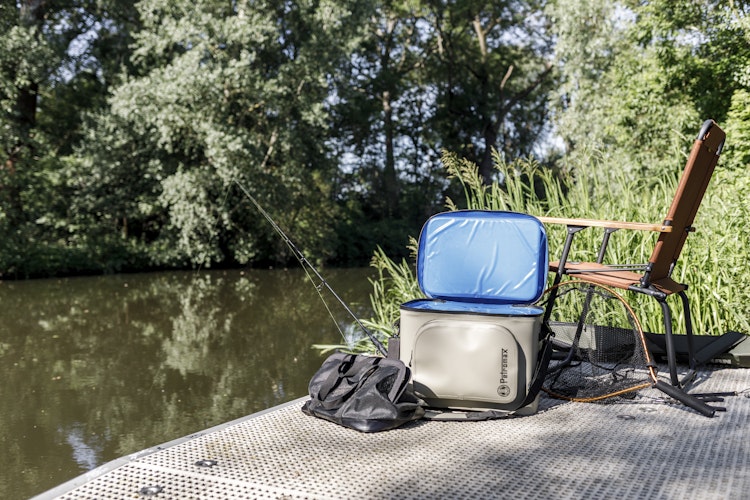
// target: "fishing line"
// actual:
[[306, 265]]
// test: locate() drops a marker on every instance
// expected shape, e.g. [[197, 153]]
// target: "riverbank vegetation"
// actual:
[[126, 126]]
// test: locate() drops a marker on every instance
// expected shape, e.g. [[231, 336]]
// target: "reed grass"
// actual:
[[713, 262]]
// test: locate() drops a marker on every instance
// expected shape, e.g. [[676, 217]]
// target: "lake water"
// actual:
[[100, 367]]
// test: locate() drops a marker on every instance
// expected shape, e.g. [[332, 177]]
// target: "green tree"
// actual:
[[220, 93], [424, 76], [491, 73], [378, 89], [26, 62], [638, 78], [736, 44], [737, 154], [56, 61]]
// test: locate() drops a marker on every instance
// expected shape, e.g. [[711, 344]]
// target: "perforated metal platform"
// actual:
[[653, 449]]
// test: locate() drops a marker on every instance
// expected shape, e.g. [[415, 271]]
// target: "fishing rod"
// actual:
[[306, 264]]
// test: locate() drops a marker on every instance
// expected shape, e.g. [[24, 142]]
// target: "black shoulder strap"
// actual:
[[542, 362]]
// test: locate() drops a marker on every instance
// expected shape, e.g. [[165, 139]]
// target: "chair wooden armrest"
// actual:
[[611, 224]]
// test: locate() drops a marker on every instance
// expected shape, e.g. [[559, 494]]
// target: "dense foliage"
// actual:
[[126, 128]]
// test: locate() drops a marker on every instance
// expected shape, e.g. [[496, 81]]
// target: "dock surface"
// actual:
[[652, 448]]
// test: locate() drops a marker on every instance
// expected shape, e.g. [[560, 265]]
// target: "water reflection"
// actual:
[[97, 368]]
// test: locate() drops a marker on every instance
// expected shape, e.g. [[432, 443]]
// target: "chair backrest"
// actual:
[[690, 191], [483, 257]]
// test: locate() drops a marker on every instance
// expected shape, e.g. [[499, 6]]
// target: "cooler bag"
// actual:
[[474, 342]]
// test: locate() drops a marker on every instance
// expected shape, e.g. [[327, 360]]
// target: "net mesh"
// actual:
[[601, 354]]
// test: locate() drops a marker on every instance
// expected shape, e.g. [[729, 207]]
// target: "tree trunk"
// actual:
[[489, 128], [390, 176], [31, 16]]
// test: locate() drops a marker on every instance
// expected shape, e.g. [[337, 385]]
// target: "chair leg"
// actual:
[[692, 362], [572, 230], [552, 297], [669, 339], [678, 388], [577, 336], [671, 354], [688, 329]]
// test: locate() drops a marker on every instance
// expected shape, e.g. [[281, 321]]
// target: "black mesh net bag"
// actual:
[[600, 349]]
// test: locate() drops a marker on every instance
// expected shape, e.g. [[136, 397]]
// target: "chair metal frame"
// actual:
[[653, 278]]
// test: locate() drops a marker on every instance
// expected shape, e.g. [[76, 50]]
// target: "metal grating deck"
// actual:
[[567, 450]]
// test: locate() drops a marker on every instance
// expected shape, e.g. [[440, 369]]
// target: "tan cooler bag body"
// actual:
[[474, 343]]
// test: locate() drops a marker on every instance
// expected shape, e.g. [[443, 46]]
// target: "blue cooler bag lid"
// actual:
[[483, 256]]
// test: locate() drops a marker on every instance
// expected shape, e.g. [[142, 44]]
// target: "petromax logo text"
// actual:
[[503, 389]]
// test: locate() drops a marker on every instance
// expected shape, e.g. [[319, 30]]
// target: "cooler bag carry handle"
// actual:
[[344, 372], [347, 369]]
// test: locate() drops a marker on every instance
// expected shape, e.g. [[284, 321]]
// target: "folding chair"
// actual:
[[653, 278]]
